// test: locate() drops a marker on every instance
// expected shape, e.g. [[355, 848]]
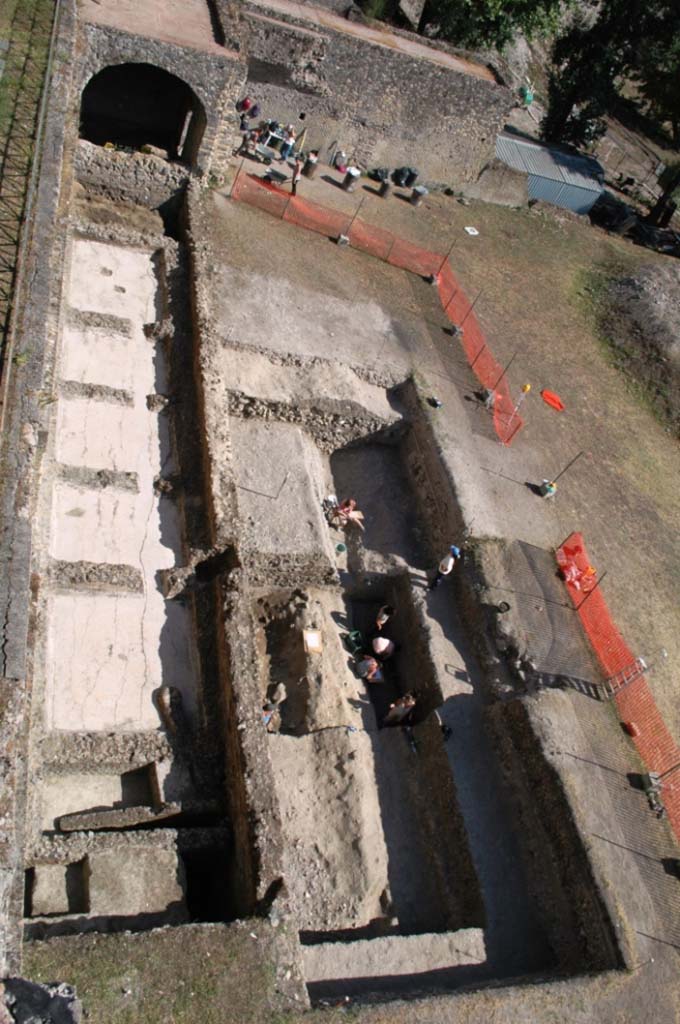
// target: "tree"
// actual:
[[582, 83], [489, 23], [659, 70], [629, 40]]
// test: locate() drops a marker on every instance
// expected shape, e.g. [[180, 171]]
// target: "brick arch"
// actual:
[[132, 103]]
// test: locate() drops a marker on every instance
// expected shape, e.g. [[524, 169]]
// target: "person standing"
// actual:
[[288, 143], [297, 174], [445, 566]]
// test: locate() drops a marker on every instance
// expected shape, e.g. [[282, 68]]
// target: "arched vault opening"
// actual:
[[139, 104]]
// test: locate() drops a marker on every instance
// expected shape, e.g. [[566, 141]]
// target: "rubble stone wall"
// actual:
[[134, 177], [381, 106], [216, 80]]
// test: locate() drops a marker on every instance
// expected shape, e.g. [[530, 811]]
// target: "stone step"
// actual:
[[393, 963]]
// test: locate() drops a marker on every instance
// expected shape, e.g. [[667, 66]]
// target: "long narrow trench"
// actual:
[[514, 940], [401, 857]]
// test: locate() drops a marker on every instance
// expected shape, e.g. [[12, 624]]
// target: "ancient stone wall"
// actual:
[[382, 107], [25, 421], [252, 807], [217, 81], [134, 177]]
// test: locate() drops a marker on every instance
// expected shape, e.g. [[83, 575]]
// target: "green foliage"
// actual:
[[493, 23], [659, 70], [629, 40], [377, 9]]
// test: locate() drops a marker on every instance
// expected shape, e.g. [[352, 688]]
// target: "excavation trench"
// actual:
[[402, 851], [210, 751], [372, 818]]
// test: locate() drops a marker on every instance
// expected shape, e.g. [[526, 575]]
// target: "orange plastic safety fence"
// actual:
[[399, 253], [412, 257], [374, 241], [488, 371], [255, 192], [635, 702], [313, 217]]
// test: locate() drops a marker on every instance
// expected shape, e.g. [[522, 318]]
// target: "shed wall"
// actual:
[[569, 197]]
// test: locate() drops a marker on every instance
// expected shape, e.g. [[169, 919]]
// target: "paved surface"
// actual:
[[108, 652], [280, 508], [184, 22], [379, 37]]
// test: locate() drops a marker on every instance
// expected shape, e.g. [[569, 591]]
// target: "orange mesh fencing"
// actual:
[[386, 246], [374, 241], [635, 703], [488, 371], [256, 192], [414, 258], [314, 217]]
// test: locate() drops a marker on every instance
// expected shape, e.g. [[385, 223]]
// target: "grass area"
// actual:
[[591, 292], [7, 9], [28, 25], [215, 974], [17, 74], [219, 974]]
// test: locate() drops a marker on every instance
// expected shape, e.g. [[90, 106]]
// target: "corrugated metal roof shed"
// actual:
[[564, 179]]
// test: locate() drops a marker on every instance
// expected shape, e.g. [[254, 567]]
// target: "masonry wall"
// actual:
[[216, 80], [383, 107], [133, 177], [25, 423]]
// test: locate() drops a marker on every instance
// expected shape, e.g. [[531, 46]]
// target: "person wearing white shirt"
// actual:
[[445, 566]]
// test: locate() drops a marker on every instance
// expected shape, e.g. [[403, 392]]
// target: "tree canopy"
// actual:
[[658, 71], [630, 40], [489, 23]]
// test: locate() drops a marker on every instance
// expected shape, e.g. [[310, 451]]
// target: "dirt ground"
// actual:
[[224, 974], [525, 272]]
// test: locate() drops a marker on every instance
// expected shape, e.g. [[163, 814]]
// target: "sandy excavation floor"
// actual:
[[108, 652], [360, 809], [623, 496]]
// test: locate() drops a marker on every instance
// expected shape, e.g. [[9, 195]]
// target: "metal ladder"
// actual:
[[620, 680]]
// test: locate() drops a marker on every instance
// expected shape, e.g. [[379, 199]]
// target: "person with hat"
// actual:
[[445, 566], [383, 648]]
